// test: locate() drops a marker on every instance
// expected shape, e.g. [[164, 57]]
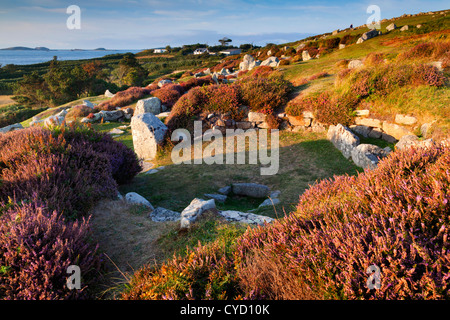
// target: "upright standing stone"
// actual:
[[148, 132]]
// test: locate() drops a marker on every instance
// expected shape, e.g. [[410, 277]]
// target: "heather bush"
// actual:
[[36, 248], [429, 50], [167, 96], [214, 98], [227, 64], [261, 72], [394, 216], [79, 112], [196, 82], [264, 94], [124, 98], [68, 178]]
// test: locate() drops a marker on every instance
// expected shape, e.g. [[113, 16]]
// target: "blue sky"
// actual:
[[141, 24]]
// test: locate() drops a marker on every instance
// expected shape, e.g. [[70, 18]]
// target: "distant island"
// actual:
[[26, 48], [47, 49]]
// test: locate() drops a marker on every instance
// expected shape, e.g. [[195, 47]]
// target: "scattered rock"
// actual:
[[353, 64], [162, 214], [269, 202], [257, 117], [369, 122], [425, 129], [305, 55], [343, 139], [405, 120], [249, 218], [133, 197], [148, 132], [375, 133], [225, 190], [341, 46], [254, 190], [271, 62], [196, 208], [368, 35], [149, 105], [89, 104], [407, 141], [404, 28], [367, 156], [275, 194], [116, 131], [362, 113], [108, 94], [391, 27], [361, 130], [161, 83], [217, 197], [111, 116], [395, 130]]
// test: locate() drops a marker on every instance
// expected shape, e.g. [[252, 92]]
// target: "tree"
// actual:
[[225, 41], [130, 72]]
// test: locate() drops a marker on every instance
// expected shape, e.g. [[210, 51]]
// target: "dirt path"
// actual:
[[129, 239], [4, 100]]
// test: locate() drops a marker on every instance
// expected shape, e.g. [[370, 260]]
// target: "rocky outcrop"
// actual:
[[343, 139], [108, 94], [148, 132], [405, 119], [161, 83], [395, 130]]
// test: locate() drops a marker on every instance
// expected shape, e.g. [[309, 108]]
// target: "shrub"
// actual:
[[429, 50], [36, 248], [68, 178], [228, 64], [394, 216], [285, 62], [374, 59], [167, 96], [124, 98], [196, 82], [79, 112], [215, 98], [318, 75], [264, 94], [261, 72]]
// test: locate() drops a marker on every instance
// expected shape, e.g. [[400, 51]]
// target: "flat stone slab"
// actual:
[[270, 202], [133, 197], [192, 212], [162, 214], [225, 190], [254, 190], [216, 197], [243, 217]]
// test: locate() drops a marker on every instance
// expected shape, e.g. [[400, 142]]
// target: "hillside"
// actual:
[[361, 180]]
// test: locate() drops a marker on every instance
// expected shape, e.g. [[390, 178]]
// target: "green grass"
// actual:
[[304, 159]]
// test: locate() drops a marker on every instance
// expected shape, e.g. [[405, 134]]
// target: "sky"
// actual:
[[144, 24]]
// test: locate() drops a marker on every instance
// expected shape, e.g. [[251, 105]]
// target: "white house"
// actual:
[[231, 52], [201, 51], [159, 50]]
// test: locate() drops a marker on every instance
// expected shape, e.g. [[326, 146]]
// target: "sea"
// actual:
[[23, 57]]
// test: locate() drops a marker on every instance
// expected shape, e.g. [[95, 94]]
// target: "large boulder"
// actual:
[[149, 105], [195, 209], [343, 139], [367, 156], [271, 62], [11, 127], [257, 117], [254, 190], [148, 132], [56, 120]]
